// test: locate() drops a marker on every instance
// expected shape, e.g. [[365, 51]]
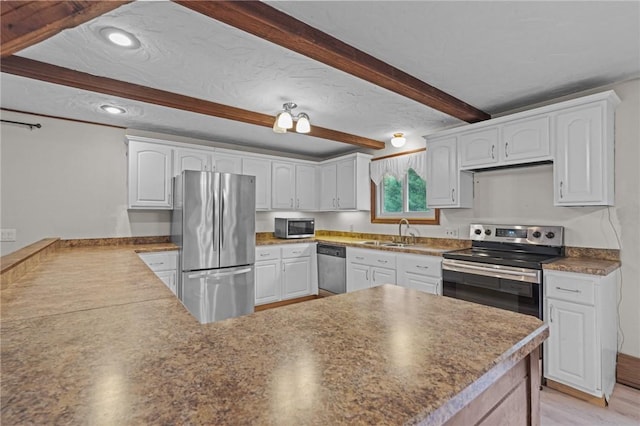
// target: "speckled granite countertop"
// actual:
[[91, 336], [583, 265]]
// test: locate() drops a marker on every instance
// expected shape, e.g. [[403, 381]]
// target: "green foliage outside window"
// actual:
[[393, 194]]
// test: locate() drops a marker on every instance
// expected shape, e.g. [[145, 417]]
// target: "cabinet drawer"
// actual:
[[297, 250], [161, 261], [267, 253], [422, 265], [578, 288], [422, 283], [371, 257]]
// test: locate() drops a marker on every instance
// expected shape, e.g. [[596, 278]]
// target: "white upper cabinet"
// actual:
[[149, 175], [479, 148], [261, 169], [283, 179], [584, 164], [447, 186], [306, 195], [328, 187], [525, 140], [191, 159], [227, 163], [345, 183], [520, 141]]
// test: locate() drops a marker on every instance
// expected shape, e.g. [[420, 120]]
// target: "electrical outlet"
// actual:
[[7, 235], [451, 232], [350, 228]]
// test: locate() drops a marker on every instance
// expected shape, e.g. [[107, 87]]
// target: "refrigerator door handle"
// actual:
[[216, 274], [222, 219]]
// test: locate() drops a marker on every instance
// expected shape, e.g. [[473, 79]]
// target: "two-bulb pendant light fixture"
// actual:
[[284, 120]]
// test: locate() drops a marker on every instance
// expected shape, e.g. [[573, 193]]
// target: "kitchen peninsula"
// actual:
[[92, 336]]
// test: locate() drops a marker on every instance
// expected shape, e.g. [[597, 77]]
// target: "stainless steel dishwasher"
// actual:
[[332, 268]]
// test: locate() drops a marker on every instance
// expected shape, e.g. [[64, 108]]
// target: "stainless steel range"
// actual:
[[503, 268]]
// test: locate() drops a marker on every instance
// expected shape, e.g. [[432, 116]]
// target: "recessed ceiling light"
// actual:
[[113, 109], [120, 37]]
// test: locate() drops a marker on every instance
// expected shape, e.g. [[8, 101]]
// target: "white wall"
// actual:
[[68, 180]]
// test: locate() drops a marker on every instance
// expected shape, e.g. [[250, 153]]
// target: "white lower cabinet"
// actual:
[[285, 272], [581, 312], [165, 265], [420, 272], [369, 268]]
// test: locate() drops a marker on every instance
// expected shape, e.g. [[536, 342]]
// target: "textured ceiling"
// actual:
[[494, 55]]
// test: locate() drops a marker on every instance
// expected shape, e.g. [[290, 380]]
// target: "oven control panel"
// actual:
[[521, 234]]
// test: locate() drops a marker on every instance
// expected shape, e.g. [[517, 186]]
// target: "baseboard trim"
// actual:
[[599, 401], [284, 303], [628, 370]]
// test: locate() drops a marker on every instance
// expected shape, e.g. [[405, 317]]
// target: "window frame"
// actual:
[[375, 203]]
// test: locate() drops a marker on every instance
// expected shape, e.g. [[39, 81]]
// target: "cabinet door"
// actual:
[[150, 175], [227, 163], [442, 173], [328, 187], [189, 159], [526, 140], [479, 148], [261, 169], [381, 276], [346, 184], [267, 281], [283, 185], [296, 277], [420, 282], [357, 276], [580, 155], [571, 355], [305, 187]]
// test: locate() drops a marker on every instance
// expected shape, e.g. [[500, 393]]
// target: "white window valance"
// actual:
[[399, 166]]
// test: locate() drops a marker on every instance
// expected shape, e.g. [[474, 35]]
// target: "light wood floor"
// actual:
[[559, 409]]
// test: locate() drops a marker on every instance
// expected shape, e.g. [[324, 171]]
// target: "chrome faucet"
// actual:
[[406, 222]]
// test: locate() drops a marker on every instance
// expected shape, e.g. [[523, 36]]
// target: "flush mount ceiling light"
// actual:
[[284, 120], [111, 109], [398, 140], [120, 37]]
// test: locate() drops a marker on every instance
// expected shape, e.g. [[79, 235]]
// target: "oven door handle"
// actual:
[[496, 272]]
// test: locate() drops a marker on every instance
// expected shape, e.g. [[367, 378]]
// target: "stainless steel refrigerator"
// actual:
[[213, 223]]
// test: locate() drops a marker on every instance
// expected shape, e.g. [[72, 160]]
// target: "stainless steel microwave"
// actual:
[[295, 227]]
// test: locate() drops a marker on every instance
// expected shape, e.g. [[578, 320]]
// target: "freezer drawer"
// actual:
[[219, 294]]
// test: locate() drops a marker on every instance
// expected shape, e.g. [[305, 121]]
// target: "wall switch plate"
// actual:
[[7, 235], [451, 232]]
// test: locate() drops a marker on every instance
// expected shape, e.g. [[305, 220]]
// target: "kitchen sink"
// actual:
[[395, 245], [384, 244]]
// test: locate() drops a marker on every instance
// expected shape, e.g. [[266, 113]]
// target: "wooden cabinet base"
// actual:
[[512, 400], [599, 401], [285, 302]]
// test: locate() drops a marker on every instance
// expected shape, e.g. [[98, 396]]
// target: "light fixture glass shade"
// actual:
[[398, 140], [284, 120], [303, 125], [277, 129]]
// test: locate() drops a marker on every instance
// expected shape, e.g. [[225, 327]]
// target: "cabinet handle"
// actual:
[[374, 275], [367, 275], [359, 257], [291, 202], [334, 202], [156, 263], [506, 149], [560, 189], [264, 254], [569, 290], [453, 195], [382, 261], [422, 267], [550, 313], [493, 148], [283, 267], [296, 252], [298, 204]]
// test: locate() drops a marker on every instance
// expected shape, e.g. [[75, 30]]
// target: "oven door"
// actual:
[[493, 287]]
